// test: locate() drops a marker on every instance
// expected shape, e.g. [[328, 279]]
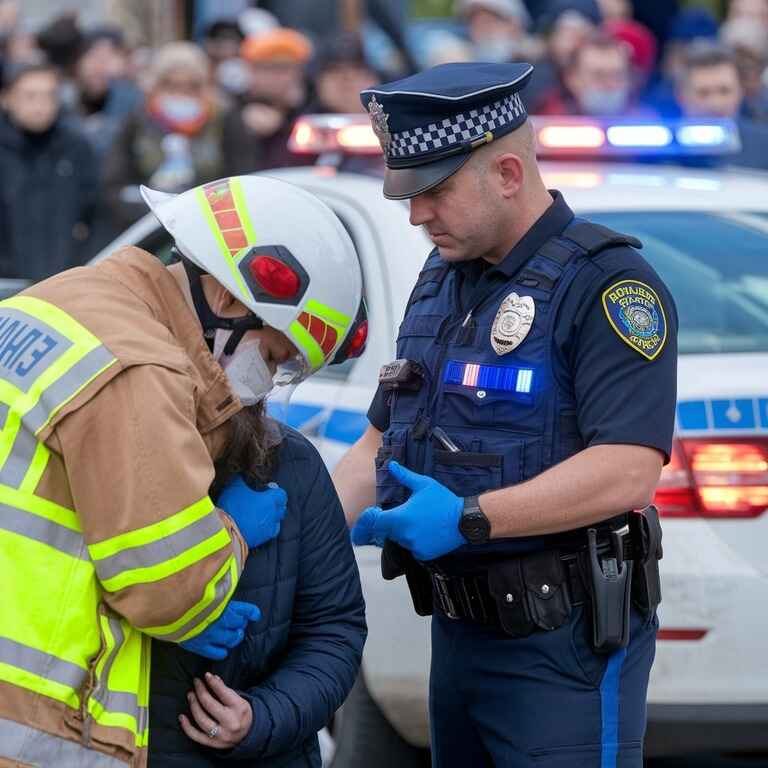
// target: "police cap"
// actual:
[[429, 123]]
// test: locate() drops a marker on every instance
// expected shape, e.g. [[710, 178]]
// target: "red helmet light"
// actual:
[[357, 342], [275, 277]]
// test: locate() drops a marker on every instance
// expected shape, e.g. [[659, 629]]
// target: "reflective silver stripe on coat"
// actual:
[[159, 551], [38, 528], [118, 701], [42, 664], [4, 408], [66, 386], [220, 592], [20, 458], [32, 747]]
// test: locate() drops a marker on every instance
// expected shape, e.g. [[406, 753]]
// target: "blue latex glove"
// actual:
[[256, 513], [427, 524], [227, 632]]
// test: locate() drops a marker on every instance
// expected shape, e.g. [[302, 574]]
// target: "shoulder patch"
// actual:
[[636, 313]]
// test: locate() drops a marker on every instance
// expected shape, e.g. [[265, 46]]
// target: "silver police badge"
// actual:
[[379, 121], [512, 323]]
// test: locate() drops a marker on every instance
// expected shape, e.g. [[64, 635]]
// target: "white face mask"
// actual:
[[246, 370]]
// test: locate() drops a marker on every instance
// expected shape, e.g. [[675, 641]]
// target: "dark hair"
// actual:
[[14, 71], [249, 452], [600, 40], [706, 55]]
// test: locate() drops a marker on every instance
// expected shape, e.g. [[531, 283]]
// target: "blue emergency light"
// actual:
[[617, 137]]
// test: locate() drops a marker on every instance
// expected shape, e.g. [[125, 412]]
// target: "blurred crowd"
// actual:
[[87, 115]]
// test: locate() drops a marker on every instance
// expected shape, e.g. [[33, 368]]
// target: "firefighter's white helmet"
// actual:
[[281, 251]]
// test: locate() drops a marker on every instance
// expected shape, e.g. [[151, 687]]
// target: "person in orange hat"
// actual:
[[277, 91]]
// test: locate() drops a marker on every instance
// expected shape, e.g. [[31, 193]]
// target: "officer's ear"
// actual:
[[510, 173]]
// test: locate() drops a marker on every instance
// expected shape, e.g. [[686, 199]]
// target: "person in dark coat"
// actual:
[[297, 664], [48, 178]]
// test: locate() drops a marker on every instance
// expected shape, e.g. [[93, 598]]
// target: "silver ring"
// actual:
[[214, 732]]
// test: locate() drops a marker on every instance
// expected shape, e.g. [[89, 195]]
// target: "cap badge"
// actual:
[[512, 323], [379, 121]]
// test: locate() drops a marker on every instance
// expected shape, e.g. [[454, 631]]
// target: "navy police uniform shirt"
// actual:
[[624, 394]]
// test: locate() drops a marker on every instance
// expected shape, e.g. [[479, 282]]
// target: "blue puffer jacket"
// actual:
[[299, 662]]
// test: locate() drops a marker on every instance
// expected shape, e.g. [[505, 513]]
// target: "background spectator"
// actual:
[[48, 178], [340, 71], [221, 41], [566, 27], [497, 29], [176, 139], [615, 10], [753, 11], [710, 86], [749, 43], [103, 96], [277, 93], [641, 45], [598, 81], [690, 26]]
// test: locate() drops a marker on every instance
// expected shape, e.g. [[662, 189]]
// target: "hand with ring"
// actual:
[[222, 718]]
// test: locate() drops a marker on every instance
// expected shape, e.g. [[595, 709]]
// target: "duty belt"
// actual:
[[469, 597]]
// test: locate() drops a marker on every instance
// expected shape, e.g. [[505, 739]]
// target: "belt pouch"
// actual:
[[610, 581], [507, 587], [645, 531], [546, 592]]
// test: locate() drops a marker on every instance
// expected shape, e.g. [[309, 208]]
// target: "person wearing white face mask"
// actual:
[[182, 135], [151, 508], [498, 29]]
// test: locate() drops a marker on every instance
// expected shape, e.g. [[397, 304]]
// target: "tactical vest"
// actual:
[[511, 415]]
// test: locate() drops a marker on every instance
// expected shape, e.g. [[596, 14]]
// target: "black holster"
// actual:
[[645, 531], [397, 561], [610, 584]]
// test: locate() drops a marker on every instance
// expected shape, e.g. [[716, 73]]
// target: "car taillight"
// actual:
[[712, 477]]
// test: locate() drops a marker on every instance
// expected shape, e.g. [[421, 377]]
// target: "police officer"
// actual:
[[530, 409]]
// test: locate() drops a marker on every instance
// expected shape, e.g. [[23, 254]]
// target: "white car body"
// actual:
[[714, 572]]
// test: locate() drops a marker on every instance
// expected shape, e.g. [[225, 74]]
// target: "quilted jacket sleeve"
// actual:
[[327, 633]]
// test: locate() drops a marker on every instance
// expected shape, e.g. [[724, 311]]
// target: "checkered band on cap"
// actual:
[[465, 126]]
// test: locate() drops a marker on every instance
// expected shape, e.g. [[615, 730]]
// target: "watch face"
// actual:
[[475, 527]]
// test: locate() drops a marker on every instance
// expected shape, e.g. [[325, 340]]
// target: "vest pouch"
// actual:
[[467, 473], [390, 493], [484, 407]]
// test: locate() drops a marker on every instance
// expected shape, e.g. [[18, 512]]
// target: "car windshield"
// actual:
[[716, 267]]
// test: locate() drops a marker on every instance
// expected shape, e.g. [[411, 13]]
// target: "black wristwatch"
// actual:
[[474, 525]]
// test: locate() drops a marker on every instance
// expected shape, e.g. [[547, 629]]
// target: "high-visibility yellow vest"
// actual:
[[58, 638]]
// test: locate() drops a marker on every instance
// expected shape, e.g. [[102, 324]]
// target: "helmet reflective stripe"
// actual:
[[318, 331], [227, 216]]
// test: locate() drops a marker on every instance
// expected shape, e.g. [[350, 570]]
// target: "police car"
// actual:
[[706, 232]]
